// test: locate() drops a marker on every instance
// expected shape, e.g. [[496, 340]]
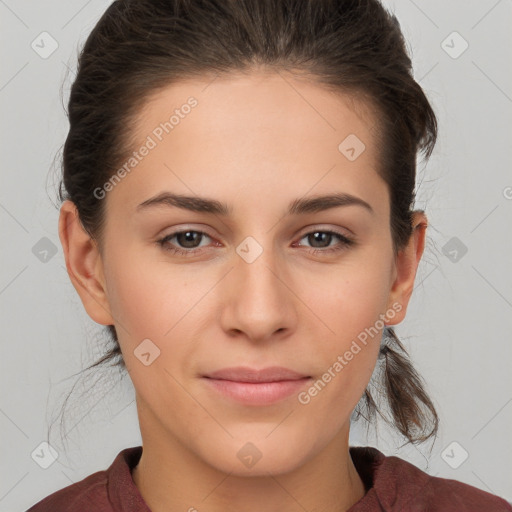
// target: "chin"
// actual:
[[243, 457]]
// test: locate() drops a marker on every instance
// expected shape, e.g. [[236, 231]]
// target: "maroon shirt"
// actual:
[[392, 484]]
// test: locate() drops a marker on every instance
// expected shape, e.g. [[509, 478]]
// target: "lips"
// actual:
[[246, 374], [251, 387]]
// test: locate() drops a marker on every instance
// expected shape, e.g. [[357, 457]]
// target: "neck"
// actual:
[[171, 477]]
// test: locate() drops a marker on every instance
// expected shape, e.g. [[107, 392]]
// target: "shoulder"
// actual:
[[103, 491], [89, 492], [445, 492], [399, 485]]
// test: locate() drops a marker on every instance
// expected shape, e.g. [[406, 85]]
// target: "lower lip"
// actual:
[[257, 393]]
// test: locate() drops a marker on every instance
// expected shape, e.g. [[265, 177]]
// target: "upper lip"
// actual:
[[246, 374]]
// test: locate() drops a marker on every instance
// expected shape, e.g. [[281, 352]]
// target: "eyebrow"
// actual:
[[299, 206]]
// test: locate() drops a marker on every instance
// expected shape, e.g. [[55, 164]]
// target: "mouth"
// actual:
[[249, 386]]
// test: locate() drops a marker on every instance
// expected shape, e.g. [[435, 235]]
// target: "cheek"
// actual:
[[150, 306], [350, 315], [146, 294], [349, 299], [135, 305], [164, 303]]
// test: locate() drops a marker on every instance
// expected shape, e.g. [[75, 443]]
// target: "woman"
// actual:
[[237, 209]]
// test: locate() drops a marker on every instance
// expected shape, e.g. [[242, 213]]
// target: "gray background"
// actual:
[[459, 322]]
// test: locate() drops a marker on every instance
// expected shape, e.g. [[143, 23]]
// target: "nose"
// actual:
[[260, 303]]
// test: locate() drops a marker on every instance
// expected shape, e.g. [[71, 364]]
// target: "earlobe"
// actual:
[[84, 265], [406, 265]]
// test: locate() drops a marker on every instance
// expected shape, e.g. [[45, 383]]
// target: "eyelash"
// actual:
[[345, 242]]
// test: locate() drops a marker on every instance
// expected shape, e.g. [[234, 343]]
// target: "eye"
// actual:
[[189, 241], [187, 238], [324, 238]]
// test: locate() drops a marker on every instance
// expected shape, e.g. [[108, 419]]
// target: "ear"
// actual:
[[84, 264], [406, 264]]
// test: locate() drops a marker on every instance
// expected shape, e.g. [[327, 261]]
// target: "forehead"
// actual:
[[260, 100], [251, 132]]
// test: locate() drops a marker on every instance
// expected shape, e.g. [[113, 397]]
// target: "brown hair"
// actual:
[[351, 46]]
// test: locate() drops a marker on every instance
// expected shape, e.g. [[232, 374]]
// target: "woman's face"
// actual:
[[255, 286]]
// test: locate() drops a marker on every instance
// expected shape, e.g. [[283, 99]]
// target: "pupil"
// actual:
[[188, 237], [318, 237]]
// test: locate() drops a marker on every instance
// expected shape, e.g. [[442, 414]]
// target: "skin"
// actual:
[[255, 142]]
